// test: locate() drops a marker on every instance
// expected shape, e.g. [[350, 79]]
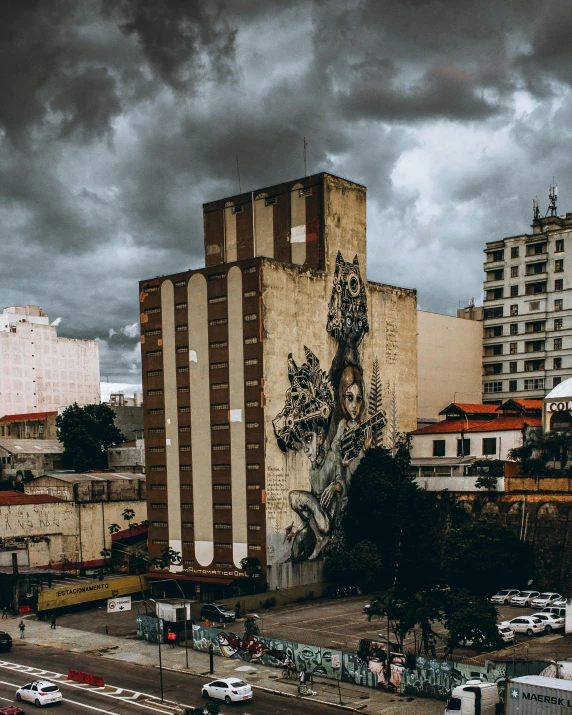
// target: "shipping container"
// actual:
[[537, 695]]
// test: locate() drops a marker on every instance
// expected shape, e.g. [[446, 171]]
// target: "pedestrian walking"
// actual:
[[303, 676], [237, 609], [22, 628], [5, 611], [53, 621]]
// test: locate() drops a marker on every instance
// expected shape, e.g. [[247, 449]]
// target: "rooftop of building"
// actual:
[[28, 416], [498, 424], [31, 446], [74, 477], [562, 391], [469, 408], [16, 498]]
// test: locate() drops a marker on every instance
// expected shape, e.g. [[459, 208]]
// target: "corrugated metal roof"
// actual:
[[28, 416], [7, 498], [73, 478], [31, 446]]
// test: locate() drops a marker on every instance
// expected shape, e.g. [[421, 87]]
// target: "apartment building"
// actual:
[[527, 344], [262, 372]]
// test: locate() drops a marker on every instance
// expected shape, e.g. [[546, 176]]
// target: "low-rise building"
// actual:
[[128, 455], [33, 425], [24, 458], [89, 487]]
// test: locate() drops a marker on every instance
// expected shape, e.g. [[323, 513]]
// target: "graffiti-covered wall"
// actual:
[[340, 378]]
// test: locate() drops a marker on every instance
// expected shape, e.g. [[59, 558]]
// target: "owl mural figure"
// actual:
[[332, 434]]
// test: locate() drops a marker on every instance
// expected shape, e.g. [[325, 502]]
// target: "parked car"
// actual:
[[217, 612], [39, 692], [525, 624], [506, 633], [524, 598], [12, 710], [505, 595], [552, 622], [5, 642], [545, 599], [231, 690], [560, 602], [561, 612]]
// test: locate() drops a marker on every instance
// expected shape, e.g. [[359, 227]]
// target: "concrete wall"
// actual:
[[52, 531], [449, 362], [128, 419], [454, 484], [422, 444], [40, 371], [120, 457]]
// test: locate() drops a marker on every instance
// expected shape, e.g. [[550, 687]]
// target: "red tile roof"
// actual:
[[470, 408], [7, 498], [528, 404], [500, 424], [28, 416]]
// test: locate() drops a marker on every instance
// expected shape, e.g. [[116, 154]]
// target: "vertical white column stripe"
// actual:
[[264, 227], [231, 250], [298, 225], [171, 417], [200, 418], [237, 426]]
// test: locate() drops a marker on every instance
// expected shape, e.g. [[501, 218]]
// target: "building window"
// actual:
[[492, 387], [557, 343], [438, 447], [249, 293], [250, 341], [180, 306], [159, 505], [218, 299], [159, 487], [514, 328], [489, 446], [556, 381], [183, 349], [218, 365], [254, 507], [558, 324], [218, 321], [494, 331], [181, 328], [463, 447], [154, 373], [223, 526], [180, 284], [558, 363], [514, 309], [559, 265], [514, 272], [559, 284], [533, 365], [250, 316], [219, 386], [513, 348], [496, 256], [495, 312], [534, 306], [217, 276], [513, 385], [558, 304], [512, 366], [534, 383], [514, 291], [493, 368], [221, 487], [514, 252], [221, 344], [155, 392], [559, 245], [159, 524]]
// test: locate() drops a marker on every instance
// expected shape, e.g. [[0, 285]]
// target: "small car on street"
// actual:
[[525, 624], [524, 598], [545, 599], [218, 613], [39, 692], [231, 690], [552, 622], [505, 595], [5, 642]]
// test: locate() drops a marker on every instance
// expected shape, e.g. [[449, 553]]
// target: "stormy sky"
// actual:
[[119, 118]]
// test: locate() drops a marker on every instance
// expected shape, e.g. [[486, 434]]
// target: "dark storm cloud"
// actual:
[[119, 118]]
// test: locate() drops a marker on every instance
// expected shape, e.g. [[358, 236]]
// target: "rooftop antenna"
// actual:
[[305, 163], [238, 174], [552, 197], [535, 209]]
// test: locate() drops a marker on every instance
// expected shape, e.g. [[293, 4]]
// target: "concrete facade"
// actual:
[[528, 311], [449, 362], [22, 457], [90, 487], [37, 425], [39, 371], [266, 334]]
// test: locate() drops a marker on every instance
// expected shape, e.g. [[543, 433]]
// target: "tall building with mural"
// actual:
[[266, 376]]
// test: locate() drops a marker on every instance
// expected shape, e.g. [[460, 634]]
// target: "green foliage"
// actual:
[[128, 514], [472, 618], [388, 510], [168, 556], [213, 708], [114, 528], [486, 481], [360, 566], [483, 556], [86, 433], [544, 454]]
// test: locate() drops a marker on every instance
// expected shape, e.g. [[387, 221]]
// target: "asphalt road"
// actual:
[[130, 689]]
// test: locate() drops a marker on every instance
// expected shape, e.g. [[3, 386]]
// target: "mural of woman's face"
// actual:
[[312, 443], [353, 401]]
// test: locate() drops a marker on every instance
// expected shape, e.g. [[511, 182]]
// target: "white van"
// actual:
[[473, 698]]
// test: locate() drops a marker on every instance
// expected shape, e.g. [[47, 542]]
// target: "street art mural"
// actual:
[[330, 418]]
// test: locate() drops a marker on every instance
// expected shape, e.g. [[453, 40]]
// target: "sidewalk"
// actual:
[[358, 699]]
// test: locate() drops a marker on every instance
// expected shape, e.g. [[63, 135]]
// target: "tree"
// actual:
[[482, 556], [359, 566], [251, 565], [472, 618], [86, 433], [168, 556]]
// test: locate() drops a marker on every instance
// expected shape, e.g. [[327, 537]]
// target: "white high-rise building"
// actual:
[[39, 371], [528, 311]]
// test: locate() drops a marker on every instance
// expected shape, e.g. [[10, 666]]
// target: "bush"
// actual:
[[269, 603]]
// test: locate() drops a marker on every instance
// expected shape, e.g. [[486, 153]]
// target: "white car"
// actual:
[[506, 633], [525, 624], [231, 690], [39, 692], [560, 602], [524, 598], [545, 599], [505, 595], [552, 622]]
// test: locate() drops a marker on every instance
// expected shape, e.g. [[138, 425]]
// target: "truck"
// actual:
[[474, 698], [538, 695]]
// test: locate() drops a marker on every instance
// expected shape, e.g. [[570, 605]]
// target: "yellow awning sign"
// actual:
[[84, 592]]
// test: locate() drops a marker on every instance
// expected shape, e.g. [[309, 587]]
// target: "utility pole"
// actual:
[[159, 634], [15, 579], [305, 163]]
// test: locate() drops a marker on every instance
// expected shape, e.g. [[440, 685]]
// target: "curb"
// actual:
[[280, 693]]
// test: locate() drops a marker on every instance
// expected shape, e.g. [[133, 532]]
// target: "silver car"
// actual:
[[505, 595], [524, 598], [545, 599]]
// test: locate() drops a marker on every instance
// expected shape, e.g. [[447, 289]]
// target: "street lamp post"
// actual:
[[160, 661], [185, 605]]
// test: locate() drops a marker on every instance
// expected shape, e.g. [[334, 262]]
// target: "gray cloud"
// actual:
[[118, 119]]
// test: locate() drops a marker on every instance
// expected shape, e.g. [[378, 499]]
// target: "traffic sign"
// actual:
[[122, 603]]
